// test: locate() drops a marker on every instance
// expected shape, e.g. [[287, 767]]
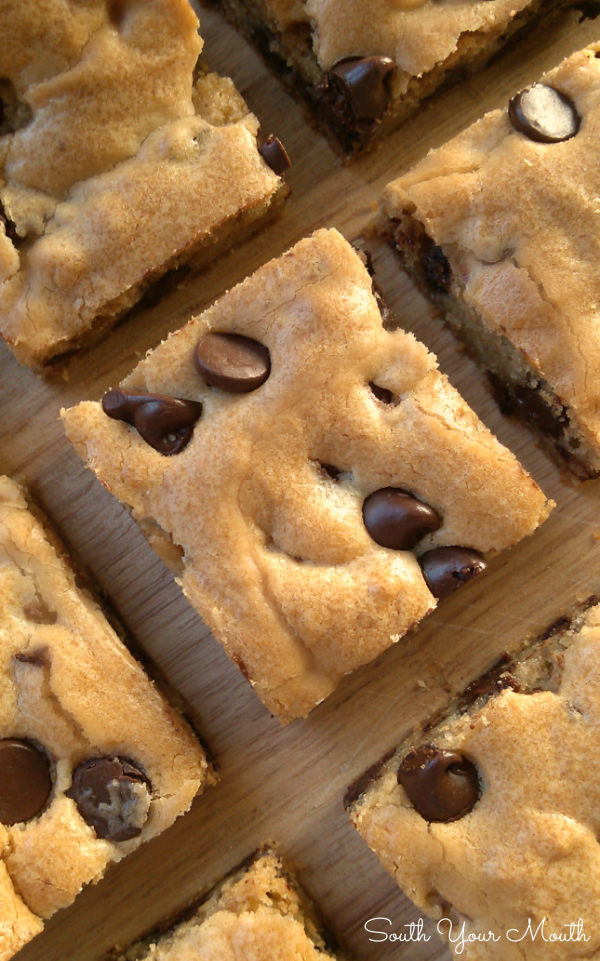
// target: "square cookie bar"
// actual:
[[120, 158], [307, 470], [501, 226], [259, 913], [488, 817], [93, 761], [365, 65]]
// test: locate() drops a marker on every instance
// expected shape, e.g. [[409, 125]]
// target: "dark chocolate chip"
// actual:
[[165, 423], [498, 678], [397, 520], [445, 569], [112, 796], [382, 393], [232, 363], [527, 402], [441, 785], [438, 272], [25, 781], [275, 155], [544, 114], [363, 83]]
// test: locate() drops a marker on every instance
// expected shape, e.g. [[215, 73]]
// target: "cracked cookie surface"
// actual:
[[518, 222], [259, 914], [71, 691], [528, 848], [266, 501], [118, 160]]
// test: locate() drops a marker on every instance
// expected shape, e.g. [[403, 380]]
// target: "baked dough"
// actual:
[[119, 159], [270, 548]]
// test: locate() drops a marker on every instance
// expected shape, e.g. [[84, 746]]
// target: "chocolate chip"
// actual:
[[113, 796], [275, 155], [438, 272], [363, 83], [544, 114], [441, 785], [445, 569], [232, 363], [382, 393], [25, 781], [165, 423], [398, 520]]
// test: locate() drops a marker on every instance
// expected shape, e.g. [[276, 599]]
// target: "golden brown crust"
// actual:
[[519, 222], [122, 167], [68, 684], [277, 558], [529, 847]]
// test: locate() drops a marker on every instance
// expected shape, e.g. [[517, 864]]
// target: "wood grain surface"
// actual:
[[287, 785]]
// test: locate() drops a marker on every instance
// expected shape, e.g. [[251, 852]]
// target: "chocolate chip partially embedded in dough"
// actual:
[[232, 362], [165, 423], [275, 155], [441, 785], [544, 114], [445, 569], [25, 781], [397, 520], [438, 272], [113, 796], [363, 83]]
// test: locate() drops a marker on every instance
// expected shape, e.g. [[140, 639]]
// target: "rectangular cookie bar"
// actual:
[[488, 817], [501, 226], [93, 761], [365, 65], [120, 158], [291, 457], [259, 913]]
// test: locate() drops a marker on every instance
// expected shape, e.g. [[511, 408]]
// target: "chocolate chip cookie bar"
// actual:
[[501, 226], [259, 913], [312, 478], [120, 159], [488, 817], [365, 65], [93, 761]]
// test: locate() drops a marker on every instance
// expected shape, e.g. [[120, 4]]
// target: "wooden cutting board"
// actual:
[[287, 785]]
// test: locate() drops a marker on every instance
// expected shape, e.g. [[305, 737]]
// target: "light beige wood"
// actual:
[[287, 785]]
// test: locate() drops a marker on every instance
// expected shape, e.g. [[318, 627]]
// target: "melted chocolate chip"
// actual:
[[438, 272], [275, 155], [528, 403], [363, 83], [25, 781], [232, 363], [498, 678], [165, 423], [397, 520], [441, 785], [113, 796], [382, 393], [544, 114], [445, 569]]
